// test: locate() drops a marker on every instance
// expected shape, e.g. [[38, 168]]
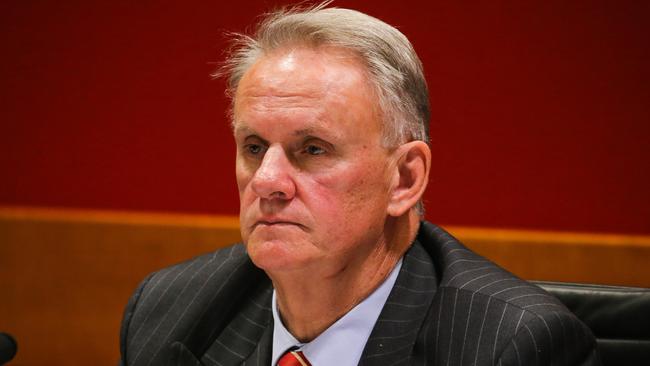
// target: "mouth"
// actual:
[[276, 223]]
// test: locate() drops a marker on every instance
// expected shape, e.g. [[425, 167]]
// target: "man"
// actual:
[[330, 115]]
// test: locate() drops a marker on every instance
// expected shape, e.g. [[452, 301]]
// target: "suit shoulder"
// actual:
[[222, 259], [170, 303], [550, 337], [513, 321], [182, 277], [460, 268]]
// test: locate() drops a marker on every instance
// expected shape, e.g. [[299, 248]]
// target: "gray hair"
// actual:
[[393, 66]]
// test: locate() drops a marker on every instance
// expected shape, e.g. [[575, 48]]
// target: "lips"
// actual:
[[276, 223]]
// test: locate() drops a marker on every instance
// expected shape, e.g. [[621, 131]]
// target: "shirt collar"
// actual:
[[343, 342]]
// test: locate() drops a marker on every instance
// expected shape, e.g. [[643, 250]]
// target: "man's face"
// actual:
[[313, 177]]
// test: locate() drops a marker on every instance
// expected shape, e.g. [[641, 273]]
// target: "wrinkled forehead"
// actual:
[[328, 85], [305, 70]]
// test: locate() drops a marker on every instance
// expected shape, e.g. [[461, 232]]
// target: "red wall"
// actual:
[[540, 109]]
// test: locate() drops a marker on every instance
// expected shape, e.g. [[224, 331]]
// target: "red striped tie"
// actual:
[[293, 358]]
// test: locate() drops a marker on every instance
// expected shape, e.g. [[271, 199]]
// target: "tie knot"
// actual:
[[293, 358]]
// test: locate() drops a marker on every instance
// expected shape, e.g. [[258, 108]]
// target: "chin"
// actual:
[[275, 255]]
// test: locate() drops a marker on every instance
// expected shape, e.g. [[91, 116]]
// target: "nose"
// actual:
[[273, 178]]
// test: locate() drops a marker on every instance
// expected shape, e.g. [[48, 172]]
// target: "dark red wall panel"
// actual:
[[541, 110]]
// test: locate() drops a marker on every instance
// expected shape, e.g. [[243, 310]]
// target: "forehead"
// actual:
[[298, 69], [310, 84]]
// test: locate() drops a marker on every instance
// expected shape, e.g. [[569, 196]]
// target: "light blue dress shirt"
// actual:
[[342, 343]]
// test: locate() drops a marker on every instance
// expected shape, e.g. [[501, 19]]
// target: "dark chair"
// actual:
[[618, 316]]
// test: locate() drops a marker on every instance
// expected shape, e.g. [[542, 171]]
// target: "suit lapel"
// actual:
[[247, 338], [261, 356], [182, 356], [394, 335]]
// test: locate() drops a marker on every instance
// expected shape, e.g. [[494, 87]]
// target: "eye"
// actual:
[[314, 150], [253, 149]]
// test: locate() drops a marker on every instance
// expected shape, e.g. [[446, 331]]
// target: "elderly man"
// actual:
[[330, 115]]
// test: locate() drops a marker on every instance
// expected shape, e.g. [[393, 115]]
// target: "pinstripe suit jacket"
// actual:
[[449, 306]]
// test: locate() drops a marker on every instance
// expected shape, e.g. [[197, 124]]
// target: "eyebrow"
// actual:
[[243, 129], [304, 132]]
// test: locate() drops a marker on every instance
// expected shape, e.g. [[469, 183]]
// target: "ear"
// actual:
[[411, 176]]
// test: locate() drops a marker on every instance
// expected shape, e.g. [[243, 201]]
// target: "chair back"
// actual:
[[618, 316]]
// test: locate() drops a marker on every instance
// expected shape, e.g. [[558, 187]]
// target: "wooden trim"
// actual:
[[549, 237], [613, 259], [232, 222], [564, 256], [81, 216]]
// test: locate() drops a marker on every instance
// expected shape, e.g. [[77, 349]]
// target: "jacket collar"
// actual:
[[395, 333], [246, 339]]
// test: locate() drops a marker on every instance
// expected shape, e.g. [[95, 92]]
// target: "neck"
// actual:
[[311, 302]]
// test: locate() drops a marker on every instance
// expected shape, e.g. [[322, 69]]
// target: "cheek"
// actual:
[[246, 199], [356, 193], [243, 176]]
